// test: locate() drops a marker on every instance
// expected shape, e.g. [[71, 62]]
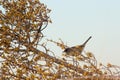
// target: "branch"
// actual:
[[58, 61]]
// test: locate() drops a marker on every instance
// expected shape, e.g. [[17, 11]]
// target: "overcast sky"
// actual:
[[75, 20]]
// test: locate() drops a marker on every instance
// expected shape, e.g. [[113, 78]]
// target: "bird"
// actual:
[[76, 50]]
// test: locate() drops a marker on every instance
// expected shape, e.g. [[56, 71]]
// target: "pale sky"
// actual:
[[75, 20]]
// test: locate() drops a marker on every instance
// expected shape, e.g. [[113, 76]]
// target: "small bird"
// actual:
[[76, 50]]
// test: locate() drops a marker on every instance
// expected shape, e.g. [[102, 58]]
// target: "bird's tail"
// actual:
[[86, 41]]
